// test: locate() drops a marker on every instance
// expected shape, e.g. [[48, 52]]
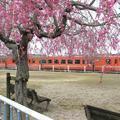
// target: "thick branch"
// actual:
[[48, 2], [55, 21], [54, 17], [22, 63], [21, 29], [86, 24], [92, 2], [55, 33], [37, 5], [10, 45], [83, 5]]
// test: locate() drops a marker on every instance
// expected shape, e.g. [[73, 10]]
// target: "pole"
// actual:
[[8, 78]]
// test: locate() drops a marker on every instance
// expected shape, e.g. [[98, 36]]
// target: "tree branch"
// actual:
[[37, 5], [86, 24], [83, 5], [55, 33], [54, 17], [10, 45], [21, 29], [49, 3], [92, 2]]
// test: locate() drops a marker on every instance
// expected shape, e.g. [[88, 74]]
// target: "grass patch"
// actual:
[[39, 77]]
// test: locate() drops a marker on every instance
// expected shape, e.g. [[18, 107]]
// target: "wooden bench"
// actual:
[[31, 94], [38, 99], [94, 113]]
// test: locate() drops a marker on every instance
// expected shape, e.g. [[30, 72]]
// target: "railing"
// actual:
[[20, 108]]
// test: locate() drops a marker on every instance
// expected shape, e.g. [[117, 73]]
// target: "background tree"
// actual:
[[75, 27]]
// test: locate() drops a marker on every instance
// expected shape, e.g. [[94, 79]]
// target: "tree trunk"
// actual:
[[21, 92], [22, 77], [19, 51], [22, 74]]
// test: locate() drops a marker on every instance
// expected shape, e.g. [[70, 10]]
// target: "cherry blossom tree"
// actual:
[[75, 26], [93, 29]]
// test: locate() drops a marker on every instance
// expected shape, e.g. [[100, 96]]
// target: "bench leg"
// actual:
[[48, 102]]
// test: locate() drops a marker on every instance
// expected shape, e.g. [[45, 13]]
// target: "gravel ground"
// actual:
[[68, 99], [71, 94]]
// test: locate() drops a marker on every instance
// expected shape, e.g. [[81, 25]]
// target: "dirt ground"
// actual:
[[69, 92]]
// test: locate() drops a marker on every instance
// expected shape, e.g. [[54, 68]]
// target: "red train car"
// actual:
[[68, 63], [10, 63], [108, 64], [2, 62], [77, 63], [63, 63]]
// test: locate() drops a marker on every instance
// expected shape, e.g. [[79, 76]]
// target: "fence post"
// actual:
[[103, 67], [39, 67], [53, 68], [8, 78], [0, 108], [84, 68], [27, 117], [11, 113], [5, 112], [18, 115], [68, 68]]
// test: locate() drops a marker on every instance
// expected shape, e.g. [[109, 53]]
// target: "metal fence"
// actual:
[[19, 109]]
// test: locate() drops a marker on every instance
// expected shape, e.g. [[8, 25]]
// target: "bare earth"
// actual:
[[71, 91]]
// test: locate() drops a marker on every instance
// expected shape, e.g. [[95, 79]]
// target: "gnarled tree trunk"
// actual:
[[22, 76], [20, 57]]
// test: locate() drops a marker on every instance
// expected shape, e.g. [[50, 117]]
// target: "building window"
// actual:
[[49, 61], [29, 60], [33, 61], [56, 61], [43, 61], [70, 61], [116, 61], [77, 61], [63, 61], [13, 61], [91, 62], [40, 61], [108, 61], [83, 61]]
